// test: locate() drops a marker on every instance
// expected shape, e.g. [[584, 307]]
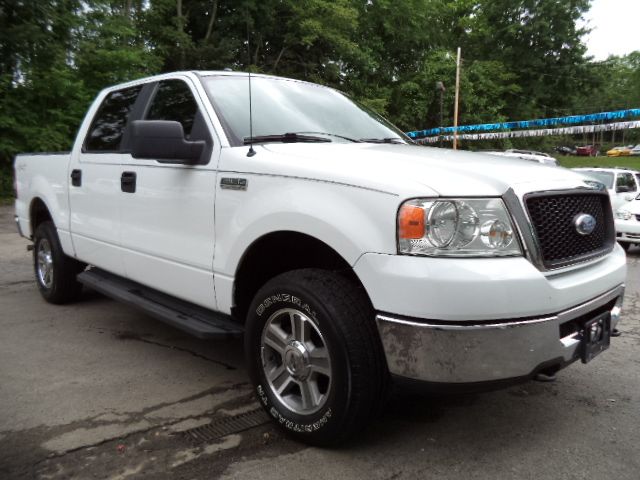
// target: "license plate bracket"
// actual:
[[596, 336]]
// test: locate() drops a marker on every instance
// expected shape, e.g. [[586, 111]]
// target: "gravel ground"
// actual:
[[98, 390]]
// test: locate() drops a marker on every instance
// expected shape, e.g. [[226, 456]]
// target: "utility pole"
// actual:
[[455, 108], [440, 88]]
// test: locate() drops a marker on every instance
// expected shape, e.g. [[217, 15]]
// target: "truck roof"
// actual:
[[201, 73]]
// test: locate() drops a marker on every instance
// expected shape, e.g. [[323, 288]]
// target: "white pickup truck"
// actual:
[[348, 257]]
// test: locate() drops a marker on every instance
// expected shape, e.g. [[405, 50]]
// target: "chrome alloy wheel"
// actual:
[[296, 361], [45, 263]]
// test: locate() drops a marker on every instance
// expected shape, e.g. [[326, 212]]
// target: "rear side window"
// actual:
[[107, 128], [174, 101]]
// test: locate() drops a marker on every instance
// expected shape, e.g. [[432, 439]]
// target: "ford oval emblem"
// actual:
[[585, 224]]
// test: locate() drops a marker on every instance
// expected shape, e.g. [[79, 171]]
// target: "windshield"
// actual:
[[282, 106], [603, 177]]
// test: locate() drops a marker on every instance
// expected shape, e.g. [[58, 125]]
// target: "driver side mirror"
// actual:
[[163, 140]]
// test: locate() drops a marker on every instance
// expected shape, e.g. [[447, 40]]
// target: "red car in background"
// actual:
[[588, 150]]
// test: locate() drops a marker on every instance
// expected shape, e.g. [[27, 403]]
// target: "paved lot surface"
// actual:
[[98, 390]]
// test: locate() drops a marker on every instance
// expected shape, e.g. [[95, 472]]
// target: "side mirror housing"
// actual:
[[163, 140]]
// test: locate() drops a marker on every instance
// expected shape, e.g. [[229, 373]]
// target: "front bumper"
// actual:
[[485, 351], [628, 230]]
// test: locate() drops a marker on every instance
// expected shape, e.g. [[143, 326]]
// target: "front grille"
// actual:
[[553, 219]]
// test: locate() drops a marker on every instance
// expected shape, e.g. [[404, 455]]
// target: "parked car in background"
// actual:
[[564, 150], [588, 150], [530, 155], [635, 150], [619, 152], [622, 184], [628, 224]]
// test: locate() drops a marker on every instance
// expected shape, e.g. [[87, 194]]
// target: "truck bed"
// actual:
[[42, 172]]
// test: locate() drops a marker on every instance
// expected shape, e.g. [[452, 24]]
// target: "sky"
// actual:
[[615, 28]]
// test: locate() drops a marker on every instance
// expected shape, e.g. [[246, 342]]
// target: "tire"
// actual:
[[625, 246], [337, 361], [55, 272]]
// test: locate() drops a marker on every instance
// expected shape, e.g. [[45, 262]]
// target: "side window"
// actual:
[[174, 101], [107, 127], [626, 180]]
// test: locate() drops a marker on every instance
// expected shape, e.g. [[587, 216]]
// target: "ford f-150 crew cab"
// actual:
[[347, 256]]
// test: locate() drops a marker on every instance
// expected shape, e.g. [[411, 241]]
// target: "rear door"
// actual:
[[167, 220], [94, 191]]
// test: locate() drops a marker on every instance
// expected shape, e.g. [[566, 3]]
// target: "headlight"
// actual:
[[623, 214], [469, 227]]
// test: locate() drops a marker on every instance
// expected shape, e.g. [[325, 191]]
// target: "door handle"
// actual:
[[128, 182], [76, 178]]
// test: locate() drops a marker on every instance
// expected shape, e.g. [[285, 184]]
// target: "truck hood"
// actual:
[[632, 207], [409, 170]]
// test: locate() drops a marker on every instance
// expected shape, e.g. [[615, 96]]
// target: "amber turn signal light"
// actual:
[[411, 222]]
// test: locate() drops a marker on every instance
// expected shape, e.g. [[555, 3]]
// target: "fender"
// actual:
[[350, 220]]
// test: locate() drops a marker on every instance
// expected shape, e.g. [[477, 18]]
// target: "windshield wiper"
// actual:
[[334, 135], [383, 140], [285, 138]]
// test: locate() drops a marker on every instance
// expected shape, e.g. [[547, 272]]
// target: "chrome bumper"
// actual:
[[461, 353]]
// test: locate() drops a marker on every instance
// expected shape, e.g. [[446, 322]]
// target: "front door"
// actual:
[[167, 210]]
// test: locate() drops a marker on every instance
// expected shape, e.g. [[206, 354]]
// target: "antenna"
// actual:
[[251, 151]]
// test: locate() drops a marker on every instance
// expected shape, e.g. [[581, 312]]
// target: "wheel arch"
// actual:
[[38, 212], [279, 252]]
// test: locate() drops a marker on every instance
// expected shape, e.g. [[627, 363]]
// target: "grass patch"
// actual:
[[606, 162]]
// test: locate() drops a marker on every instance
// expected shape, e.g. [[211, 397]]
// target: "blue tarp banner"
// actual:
[[541, 122]]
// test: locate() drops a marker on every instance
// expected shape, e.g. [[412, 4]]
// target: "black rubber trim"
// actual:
[[469, 323]]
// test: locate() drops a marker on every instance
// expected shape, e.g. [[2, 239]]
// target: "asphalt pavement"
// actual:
[[97, 389]]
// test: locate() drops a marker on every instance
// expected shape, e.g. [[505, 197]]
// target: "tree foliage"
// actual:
[[521, 58]]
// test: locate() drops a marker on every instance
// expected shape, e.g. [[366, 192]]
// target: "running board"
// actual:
[[199, 322]]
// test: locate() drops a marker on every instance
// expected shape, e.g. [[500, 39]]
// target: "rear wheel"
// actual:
[[55, 272], [314, 355]]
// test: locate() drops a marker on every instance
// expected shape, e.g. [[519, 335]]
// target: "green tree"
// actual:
[[38, 88], [111, 47], [538, 41]]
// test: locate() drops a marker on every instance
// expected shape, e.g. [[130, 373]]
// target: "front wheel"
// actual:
[[314, 355], [55, 272]]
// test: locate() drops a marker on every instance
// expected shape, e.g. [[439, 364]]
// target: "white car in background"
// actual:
[[628, 224], [623, 184], [530, 155], [635, 150]]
